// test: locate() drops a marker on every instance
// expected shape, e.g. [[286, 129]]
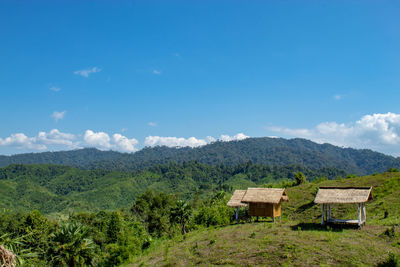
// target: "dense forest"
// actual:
[[154, 219], [103, 208], [265, 151], [55, 188]]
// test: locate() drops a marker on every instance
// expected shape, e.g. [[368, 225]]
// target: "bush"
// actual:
[[392, 261], [300, 178]]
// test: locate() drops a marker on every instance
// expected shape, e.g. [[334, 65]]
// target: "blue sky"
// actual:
[[125, 74]]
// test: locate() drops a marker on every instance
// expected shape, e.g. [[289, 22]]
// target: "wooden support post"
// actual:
[[359, 214], [273, 218], [323, 214], [237, 214], [329, 212], [364, 213]]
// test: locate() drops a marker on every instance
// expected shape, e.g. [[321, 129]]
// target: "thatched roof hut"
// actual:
[[236, 199], [265, 202], [327, 196], [344, 195], [265, 195]]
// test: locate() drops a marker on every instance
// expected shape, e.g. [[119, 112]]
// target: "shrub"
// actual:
[[300, 178], [392, 261]]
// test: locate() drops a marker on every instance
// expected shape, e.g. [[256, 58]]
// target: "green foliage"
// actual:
[[71, 246], [153, 209], [181, 214], [214, 211], [392, 261], [59, 189], [111, 238], [17, 246], [393, 170], [300, 178]]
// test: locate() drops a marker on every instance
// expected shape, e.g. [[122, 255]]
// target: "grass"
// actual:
[[268, 244], [299, 240]]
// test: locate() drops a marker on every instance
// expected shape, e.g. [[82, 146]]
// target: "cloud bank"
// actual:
[[378, 132], [57, 140], [190, 142]]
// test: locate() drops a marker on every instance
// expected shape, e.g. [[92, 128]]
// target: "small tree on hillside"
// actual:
[[300, 178], [181, 214]]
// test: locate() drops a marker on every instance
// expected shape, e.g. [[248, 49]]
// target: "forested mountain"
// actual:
[[53, 188], [264, 151]]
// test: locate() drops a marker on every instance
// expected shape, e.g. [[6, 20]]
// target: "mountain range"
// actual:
[[265, 151]]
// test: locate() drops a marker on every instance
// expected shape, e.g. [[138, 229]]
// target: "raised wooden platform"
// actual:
[[331, 220]]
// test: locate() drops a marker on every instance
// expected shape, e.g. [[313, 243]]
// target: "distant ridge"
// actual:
[[264, 150]]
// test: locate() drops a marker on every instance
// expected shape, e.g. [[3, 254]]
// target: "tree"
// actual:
[[114, 227], [300, 178], [153, 209], [181, 214], [71, 246]]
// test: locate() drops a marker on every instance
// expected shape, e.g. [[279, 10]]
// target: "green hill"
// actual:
[[54, 188], [265, 151], [298, 240]]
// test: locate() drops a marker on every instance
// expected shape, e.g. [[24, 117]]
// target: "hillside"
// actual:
[[298, 240], [54, 188], [264, 151]]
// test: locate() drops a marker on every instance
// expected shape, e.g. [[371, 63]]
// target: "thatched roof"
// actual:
[[7, 258], [265, 195], [236, 199], [344, 195]]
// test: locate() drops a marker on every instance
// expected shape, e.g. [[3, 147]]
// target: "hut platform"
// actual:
[[331, 220]]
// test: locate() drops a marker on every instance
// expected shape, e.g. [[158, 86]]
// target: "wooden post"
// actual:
[[329, 212], [364, 213], [323, 214], [237, 214], [359, 214], [273, 218]]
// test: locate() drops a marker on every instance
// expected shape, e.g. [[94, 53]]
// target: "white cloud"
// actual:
[[100, 139], [158, 72], [337, 97], [56, 140], [43, 141], [20, 141], [55, 89], [227, 138], [58, 115], [122, 143], [189, 142], [152, 124], [174, 141], [86, 72], [379, 132], [55, 137]]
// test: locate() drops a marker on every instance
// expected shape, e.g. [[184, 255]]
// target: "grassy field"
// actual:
[[298, 240], [269, 244]]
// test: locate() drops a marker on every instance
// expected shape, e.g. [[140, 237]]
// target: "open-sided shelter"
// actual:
[[327, 196], [236, 201], [265, 202]]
